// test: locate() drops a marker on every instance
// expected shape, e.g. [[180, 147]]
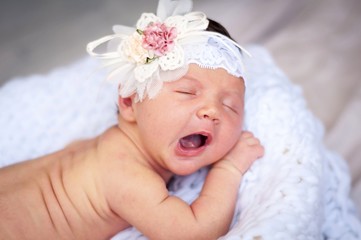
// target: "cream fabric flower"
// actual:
[[140, 59]]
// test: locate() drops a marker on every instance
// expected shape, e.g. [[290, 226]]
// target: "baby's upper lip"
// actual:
[[206, 134]]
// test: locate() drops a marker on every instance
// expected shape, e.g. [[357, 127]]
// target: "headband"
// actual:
[[160, 48]]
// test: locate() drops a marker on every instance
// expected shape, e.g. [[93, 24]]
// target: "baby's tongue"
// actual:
[[191, 141]]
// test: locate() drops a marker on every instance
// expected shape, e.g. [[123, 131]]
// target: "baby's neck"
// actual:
[[132, 144]]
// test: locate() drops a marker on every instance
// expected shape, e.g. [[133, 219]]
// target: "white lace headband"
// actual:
[[160, 48]]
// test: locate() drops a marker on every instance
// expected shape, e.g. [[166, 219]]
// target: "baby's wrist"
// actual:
[[229, 166]]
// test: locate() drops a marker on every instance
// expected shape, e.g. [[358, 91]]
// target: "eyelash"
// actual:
[[231, 108], [187, 92]]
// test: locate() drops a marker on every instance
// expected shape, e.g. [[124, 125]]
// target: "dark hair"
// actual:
[[215, 26]]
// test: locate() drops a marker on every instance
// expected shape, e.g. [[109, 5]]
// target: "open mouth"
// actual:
[[194, 141]]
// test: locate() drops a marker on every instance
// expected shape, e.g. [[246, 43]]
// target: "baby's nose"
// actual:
[[210, 112]]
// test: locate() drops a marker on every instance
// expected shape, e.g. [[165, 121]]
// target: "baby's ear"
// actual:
[[126, 108]]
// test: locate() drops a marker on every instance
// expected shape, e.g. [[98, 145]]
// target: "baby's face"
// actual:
[[192, 122]]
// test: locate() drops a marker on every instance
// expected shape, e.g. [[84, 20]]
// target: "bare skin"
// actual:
[[40, 200], [95, 188], [59, 196]]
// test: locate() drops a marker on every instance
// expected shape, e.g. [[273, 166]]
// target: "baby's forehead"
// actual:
[[199, 71], [198, 76]]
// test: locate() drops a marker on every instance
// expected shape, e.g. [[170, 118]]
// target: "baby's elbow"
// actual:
[[194, 232]]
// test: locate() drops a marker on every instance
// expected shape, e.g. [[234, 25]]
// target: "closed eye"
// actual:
[[233, 109], [187, 92], [233, 103]]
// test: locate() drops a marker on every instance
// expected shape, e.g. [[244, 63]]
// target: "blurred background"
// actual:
[[313, 41], [317, 43]]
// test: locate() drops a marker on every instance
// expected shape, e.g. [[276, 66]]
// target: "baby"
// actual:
[[180, 109]]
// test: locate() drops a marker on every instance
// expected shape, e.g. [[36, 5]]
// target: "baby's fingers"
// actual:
[[259, 150], [251, 141], [249, 138]]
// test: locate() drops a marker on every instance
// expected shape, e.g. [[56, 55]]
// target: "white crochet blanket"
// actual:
[[298, 190]]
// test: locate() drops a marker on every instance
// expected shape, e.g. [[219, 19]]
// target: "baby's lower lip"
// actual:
[[190, 152]]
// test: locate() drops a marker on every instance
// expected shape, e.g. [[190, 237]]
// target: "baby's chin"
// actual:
[[187, 166], [186, 172], [192, 153]]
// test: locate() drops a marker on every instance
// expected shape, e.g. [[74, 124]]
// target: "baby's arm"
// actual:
[[146, 204], [217, 200], [223, 180]]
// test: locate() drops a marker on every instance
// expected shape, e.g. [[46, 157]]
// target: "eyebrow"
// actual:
[[235, 93], [190, 78]]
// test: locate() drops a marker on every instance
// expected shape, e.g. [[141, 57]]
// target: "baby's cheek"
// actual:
[[229, 139], [235, 127], [240, 118]]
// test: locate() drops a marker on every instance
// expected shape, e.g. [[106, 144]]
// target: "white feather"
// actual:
[[168, 8]]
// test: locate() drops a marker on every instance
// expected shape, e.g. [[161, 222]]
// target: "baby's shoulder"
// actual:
[[120, 153], [122, 157]]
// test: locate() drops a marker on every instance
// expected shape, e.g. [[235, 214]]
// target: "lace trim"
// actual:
[[215, 54]]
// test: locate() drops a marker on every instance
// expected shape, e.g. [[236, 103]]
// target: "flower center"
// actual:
[[158, 38]]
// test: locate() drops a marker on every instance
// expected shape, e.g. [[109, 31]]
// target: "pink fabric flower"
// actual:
[[159, 38]]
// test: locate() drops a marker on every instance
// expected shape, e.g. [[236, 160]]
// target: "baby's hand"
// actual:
[[244, 153]]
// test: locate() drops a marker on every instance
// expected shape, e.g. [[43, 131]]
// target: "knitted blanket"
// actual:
[[298, 190]]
